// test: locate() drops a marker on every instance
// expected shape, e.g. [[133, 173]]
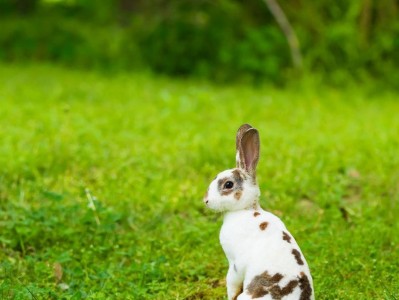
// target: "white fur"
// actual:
[[253, 251], [250, 249], [229, 203]]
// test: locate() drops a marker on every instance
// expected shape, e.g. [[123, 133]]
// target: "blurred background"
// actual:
[[222, 40]]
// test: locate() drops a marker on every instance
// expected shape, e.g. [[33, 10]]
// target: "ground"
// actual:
[[102, 178]]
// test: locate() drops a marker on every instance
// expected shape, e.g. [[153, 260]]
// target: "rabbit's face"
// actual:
[[232, 190]]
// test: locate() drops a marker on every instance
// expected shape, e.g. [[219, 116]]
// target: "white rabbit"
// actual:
[[265, 261]]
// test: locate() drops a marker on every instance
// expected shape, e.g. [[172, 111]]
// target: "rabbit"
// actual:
[[265, 261]]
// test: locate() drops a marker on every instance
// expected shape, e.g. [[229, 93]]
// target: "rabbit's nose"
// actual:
[[206, 198]]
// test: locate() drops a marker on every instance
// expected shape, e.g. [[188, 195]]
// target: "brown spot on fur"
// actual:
[[261, 284], [286, 237], [304, 285], [226, 192], [238, 195], [264, 284], [238, 294], [289, 288], [221, 182], [276, 278], [277, 292], [256, 214], [239, 178], [263, 225], [238, 174], [297, 256]]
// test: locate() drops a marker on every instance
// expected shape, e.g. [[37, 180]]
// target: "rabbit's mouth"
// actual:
[[215, 205]]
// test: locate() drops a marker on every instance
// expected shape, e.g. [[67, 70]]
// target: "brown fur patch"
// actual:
[[239, 178], [256, 214], [286, 237], [228, 192], [276, 278], [304, 285], [297, 256], [289, 288], [261, 284], [263, 225], [239, 175], [238, 195], [264, 284], [277, 292], [221, 182]]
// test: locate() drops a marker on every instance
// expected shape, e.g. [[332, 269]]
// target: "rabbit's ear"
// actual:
[[243, 128], [249, 151]]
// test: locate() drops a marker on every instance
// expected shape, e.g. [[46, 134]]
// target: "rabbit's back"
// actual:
[[265, 255]]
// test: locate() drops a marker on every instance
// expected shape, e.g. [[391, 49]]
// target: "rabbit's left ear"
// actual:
[[248, 147], [240, 132]]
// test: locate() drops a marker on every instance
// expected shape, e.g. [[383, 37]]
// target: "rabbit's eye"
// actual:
[[228, 185]]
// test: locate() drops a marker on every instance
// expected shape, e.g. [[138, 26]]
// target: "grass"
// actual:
[[102, 178]]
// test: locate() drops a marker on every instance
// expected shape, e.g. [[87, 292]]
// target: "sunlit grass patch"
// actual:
[[102, 177]]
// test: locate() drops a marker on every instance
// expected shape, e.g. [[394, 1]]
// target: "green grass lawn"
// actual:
[[102, 179]]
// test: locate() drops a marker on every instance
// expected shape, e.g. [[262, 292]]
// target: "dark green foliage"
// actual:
[[212, 40], [223, 40], [354, 37], [18, 7], [63, 41]]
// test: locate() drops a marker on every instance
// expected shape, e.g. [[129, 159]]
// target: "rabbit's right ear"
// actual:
[[248, 149]]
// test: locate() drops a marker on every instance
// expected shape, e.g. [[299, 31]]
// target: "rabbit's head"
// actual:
[[236, 189]]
